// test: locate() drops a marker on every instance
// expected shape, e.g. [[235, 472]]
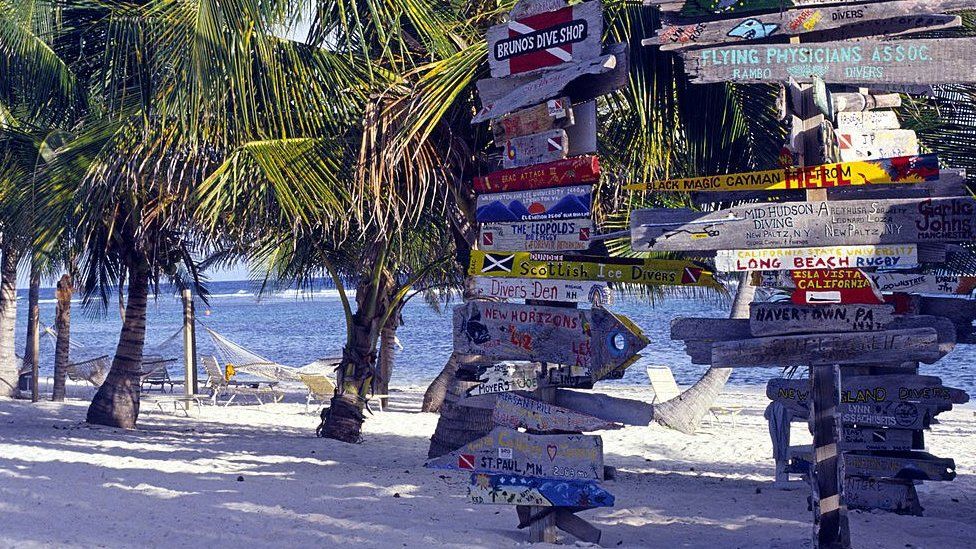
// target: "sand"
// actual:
[[256, 476]]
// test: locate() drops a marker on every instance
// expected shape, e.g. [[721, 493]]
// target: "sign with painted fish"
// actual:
[[766, 319], [667, 272], [536, 148], [512, 410], [895, 256], [525, 45], [549, 115], [696, 8], [561, 173], [900, 465], [507, 451], [594, 293], [923, 61], [535, 205], [590, 338], [507, 489], [907, 169], [537, 236], [865, 144]]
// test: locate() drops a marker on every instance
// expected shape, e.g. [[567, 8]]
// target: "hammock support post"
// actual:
[[190, 386]]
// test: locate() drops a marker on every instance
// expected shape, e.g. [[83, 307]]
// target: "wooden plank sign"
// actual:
[[535, 205], [593, 338], [541, 492], [867, 121], [697, 8], [571, 171], [512, 410], [549, 115], [536, 148], [875, 438], [897, 496], [867, 145], [541, 236], [901, 388], [595, 293], [907, 169], [924, 284], [900, 465], [767, 319], [545, 40], [833, 286], [931, 61], [896, 415], [835, 257], [507, 451], [500, 378], [845, 348]]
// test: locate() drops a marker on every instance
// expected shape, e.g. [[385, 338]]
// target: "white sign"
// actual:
[[898, 256]]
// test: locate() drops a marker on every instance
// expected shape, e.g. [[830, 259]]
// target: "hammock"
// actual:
[[249, 362]]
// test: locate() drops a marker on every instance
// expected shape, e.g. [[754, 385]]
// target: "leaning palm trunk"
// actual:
[[685, 412], [434, 396], [8, 319], [117, 401], [62, 348], [458, 424]]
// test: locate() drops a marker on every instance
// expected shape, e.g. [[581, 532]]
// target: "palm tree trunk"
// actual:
[[8, 320], [387, 354], [33, 325], [116, 403], [434, 396], [459, 425], [686, 411], [62, 348]]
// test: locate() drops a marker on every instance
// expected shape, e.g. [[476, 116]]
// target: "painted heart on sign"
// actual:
[[552, 451]]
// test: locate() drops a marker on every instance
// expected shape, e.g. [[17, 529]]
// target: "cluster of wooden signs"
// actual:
[[851, 259]]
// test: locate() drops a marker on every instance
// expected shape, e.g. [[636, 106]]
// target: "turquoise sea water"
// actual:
[[295, 328]]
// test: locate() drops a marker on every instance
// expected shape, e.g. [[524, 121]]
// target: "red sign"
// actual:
[[571, 171], [834, 286], [466, 461]]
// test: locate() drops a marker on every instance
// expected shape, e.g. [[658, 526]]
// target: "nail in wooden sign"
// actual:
[[545, 40], [537, 148], [825, 349], [924, 284], [549, 115], [766, 319], [571, 171], [867, 145], [540, 492], [537, 236], [900, 465], [536, 205], [867, 121], [516, 411], [667, 272], [507, 451], [896, 256], [907, 169], [500, 378], [931, 61], [897, 496], [595, 293]]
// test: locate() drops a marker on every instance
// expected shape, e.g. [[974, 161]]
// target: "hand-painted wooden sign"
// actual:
[[536, 148], [535, 205], [696, 8], [539, 236], [833, 286], [667, 272], [895, 415], [867, 121], [595, 293], [897, 496], [900, 465], [908, 169], [507, 451], [571, 171], [818, 349], [500, 378], [924, 284], [814, 223], [594, 338], [833, 257], [942, 61], [549, 115], [545, 40], [875, 438], [868, 145], [766, 319], [512, 410], [540, 492]]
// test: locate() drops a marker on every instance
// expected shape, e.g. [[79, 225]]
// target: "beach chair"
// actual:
[[92, 371], [219, 385], [320, 388], [155, 372], [666, 388]]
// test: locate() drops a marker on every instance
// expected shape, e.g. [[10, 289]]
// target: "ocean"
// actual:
[[296, 327]]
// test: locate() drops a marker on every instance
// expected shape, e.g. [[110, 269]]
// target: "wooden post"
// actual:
[[544, 529], [189, 348], [830, 528]]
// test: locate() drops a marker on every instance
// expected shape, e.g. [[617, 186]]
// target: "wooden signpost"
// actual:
[[535, 205], [500, 378], [571, 171], [544, 236], [548, 115], [594, 293], [893, 256], [512, 410], [536, 148], [502, 489], [767, 319], [865, 144]]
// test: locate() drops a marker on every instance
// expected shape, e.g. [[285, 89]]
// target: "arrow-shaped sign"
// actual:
[[515, 411]]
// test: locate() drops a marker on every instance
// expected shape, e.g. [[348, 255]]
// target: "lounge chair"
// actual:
[[220, 385], [666, 388], [155, 372], [320, 388], [93, 371]]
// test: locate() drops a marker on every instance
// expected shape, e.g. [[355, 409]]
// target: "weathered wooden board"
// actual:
[[507, 451], [582, 134], [860, 102], [868, 145], [876, 438], [961, 312], [709, 329], [535, 205], [593, 338], [594, 293], [853, 348], [580, 267], [931, 61], [528, 44], [615, 409], [507, 489], [537, 236], [951, 183], [500, 378], [866, 20], [895, 415], [512, 410], [536, 148], [867, 121], [697, 8], [766, 319], [900, 465], [895, 256], [843, 280], [814, 223], [571, 171], [897, 496], [924, 284], [909, 169], [548, 115]]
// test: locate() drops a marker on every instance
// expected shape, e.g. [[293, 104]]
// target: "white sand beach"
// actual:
[[256, 476]]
